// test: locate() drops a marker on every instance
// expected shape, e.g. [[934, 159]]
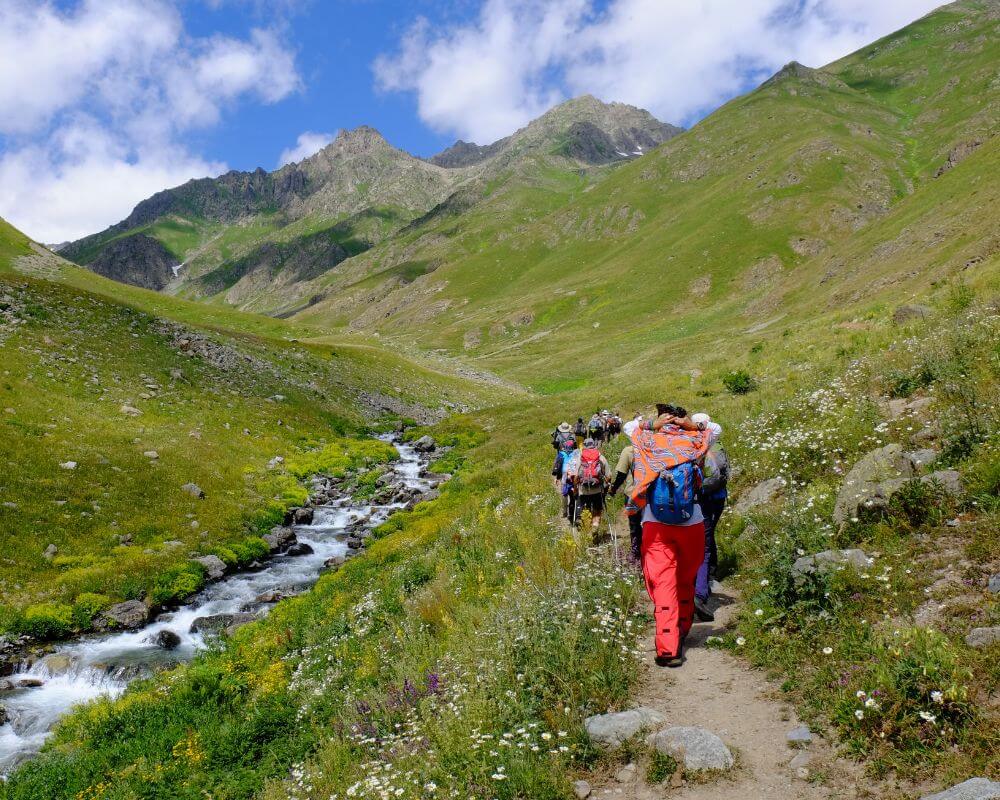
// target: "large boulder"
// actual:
[[827, 560], [130, 615], [299, 549], [762, 494], [280, 538], [214, 566], [983, 637], [972, 789], [216, 623], [425, 444], [610, 730], [302, 516], [862, 483], [167, 639], [695, 748]]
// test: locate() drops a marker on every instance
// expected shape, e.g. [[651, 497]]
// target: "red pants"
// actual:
[[671, 556]]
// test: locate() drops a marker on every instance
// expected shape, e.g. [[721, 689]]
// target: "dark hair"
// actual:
[[670, 408]]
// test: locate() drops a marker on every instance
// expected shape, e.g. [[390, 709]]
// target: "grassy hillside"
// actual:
[[717, 228]]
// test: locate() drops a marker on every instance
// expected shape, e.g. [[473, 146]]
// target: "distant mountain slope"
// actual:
[[247, 236], [748, 218]]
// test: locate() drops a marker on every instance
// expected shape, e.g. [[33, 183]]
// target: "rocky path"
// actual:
[[717, 692]]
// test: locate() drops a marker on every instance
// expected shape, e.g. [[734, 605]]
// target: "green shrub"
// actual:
[[661, 767], [739, 382], [48, 621], [177, 583], [87, 606]]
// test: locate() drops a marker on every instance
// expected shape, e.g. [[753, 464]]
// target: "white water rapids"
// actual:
[[103, 665]]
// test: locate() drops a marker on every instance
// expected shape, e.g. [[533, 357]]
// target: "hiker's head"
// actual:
[[701, 418], [579, 419], [564, 427], [588, 442], [671, 409]]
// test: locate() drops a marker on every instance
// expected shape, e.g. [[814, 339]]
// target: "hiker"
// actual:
[[595, 428], [561, 434], [614, 425], [588, 470], [580, 429], [665, 470], [565, 488], [712, 499], [623, 471]]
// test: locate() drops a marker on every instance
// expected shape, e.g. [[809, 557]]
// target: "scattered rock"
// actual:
[[861, 485], [275, 462], [299, 549], [695, 748], [983, 637], [972, 789], [130, 615], [3, 716], [994, 584], [799, 735], [334, 562], [214, 566], [581, 790], [152, 455], [30, 683], [828, 559], [270, 597], [425, 444], [354, 542], [627, 773], [130, 411], [610, 730], [193, 489], [760, 495], [68, 464], [908, 313], [302, 516], [923, 457], [167, 639], [800, 760], [280, 537], [50, 552], [215, 623]]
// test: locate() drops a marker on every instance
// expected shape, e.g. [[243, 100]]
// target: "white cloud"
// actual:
[[309, 143], [96, 100], [482, 80]]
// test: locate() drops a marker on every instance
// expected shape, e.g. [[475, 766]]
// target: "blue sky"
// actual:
[[108, 101]]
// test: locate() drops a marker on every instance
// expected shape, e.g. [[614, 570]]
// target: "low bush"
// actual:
[[47, 621], [177, 583], [86, 606], [739, 382]]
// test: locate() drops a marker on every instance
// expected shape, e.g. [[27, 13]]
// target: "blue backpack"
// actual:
[[671, 498], [564, 457]]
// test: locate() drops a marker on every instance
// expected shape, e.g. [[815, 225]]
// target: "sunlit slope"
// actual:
[[714, 230]]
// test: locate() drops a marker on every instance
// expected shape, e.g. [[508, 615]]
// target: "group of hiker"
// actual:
[[677, 471]]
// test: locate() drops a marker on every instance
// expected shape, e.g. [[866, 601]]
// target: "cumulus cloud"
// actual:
[[309, 143], [96, 100], [483, 79]]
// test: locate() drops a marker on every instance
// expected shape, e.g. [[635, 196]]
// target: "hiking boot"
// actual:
[[670, 661], [702, 612]]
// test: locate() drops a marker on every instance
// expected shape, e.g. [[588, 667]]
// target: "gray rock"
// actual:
[[760, 495], [334, 562], [923, 457], [130, 411], [50, 552], [610, 730], [214, 566], [354, 542], [983, 637], [627, 773], [275, 462], [948, 479], [911, 312], [972, 789], [3, 716], [800, 760], [861, 485], [68, 465], [193, 489], [152, 455], [994, 584], [425, 444], [167, 639], [695, 748], [302, 516], [299, 549], [799, 735], [581, 790], [280, 537], [130, 615], [30, 683], [215, 623], [6, 685], [830, 559]]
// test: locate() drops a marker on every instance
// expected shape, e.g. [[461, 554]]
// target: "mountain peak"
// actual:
[[364, 137]]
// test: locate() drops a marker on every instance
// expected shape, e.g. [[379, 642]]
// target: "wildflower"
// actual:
[[937, 697], [872, 703], [827, 651], [765, 582], [740, 641], [498, 776], [859, 714], [927, 716], [860, 694]]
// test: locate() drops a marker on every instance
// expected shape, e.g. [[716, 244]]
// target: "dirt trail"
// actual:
[[714, 690]]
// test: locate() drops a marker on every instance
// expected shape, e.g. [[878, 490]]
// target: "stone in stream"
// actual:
[[3, 715], [302, 516], [216, 623], [194, 490], [130, 615], [425, 444], [354, 542], [299, 549], [983, 637], [610, 730], [167, 639], [214, 566], [30, 683], [270, 597], [972, 789], [6, 685], [57, 663], [334, 562], [280, 537], [799, 735], [695, 748]]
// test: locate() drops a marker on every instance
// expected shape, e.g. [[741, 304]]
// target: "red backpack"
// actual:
[[590, 474]]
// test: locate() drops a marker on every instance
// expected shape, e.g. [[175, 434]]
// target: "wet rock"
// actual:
[[983, 637], [303, 516], [216, 623], [695, 748], [830, 559], [214, 566], [270, 597], [50, 552], [130, 615], [299, 549], [334, 562], [581, 790], [193, 489], [57, 663], [6, 685], [4, 716], [908, 313], [280, 537], [167, 639], [425, 444], [972, 789], [30, 683], [354, 542], [762, 494], [610, 730], [799, 735]]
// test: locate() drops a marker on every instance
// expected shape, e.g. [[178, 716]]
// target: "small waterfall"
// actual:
[[103, 665]]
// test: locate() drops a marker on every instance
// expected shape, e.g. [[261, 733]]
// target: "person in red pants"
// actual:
[[671, 554]]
